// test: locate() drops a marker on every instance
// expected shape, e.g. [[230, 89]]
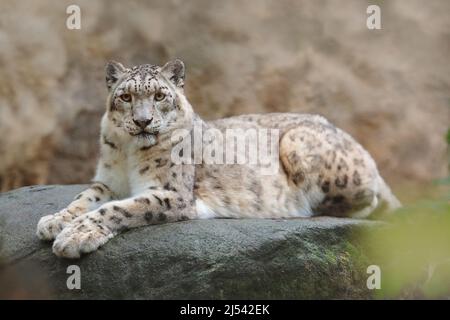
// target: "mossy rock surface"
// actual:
[[319, 258]]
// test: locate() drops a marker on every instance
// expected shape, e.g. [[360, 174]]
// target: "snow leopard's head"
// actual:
[[146, 100]]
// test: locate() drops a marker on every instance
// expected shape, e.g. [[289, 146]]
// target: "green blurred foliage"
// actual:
[[413, 251]]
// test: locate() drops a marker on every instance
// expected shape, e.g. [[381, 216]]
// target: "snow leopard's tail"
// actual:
[[386, 199]]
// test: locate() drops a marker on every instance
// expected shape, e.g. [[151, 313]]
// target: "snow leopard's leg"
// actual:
[[90, 231], [51, 225]]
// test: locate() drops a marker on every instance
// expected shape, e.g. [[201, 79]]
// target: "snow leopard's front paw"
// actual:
[[50, 226], [81, 236]]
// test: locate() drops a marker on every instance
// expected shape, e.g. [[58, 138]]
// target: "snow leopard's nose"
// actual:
[[142, 123]]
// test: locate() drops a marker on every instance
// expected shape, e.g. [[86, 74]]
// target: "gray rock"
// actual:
[[208, 259]]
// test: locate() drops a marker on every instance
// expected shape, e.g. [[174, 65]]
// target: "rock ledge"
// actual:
[[316, 258]]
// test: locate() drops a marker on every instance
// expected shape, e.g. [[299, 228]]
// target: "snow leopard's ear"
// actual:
[[114, 71], [174, 71]]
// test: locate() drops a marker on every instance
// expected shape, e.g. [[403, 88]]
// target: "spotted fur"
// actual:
[[322, 170]]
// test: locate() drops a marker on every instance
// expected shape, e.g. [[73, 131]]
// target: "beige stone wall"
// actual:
[[389, 88]]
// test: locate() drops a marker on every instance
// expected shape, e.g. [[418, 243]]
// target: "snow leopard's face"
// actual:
[[143, 100]]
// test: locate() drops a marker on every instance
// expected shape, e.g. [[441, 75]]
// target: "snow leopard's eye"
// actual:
[[159, 96], [126, 97]]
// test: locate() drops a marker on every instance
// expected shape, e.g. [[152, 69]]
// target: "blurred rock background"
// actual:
[[390, 88]]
